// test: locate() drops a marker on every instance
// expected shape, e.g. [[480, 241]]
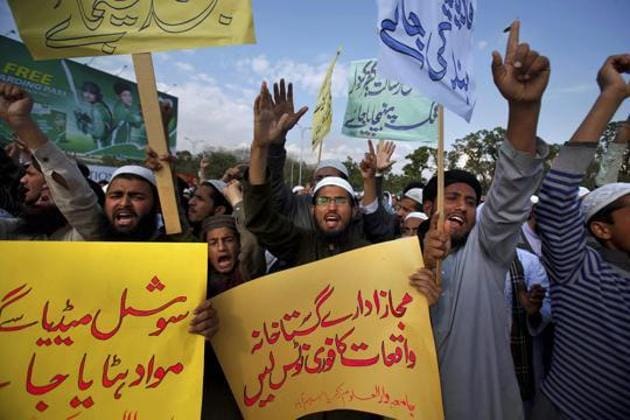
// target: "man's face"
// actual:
[[89, 97], [620, 228], [460, 206], [326, 172], [223, 249], [126, 98], [405, 206], [34, 185], [332, 210], [410, 226], [201, 204], [127, 202]]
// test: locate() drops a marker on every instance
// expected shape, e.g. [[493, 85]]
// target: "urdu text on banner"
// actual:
[[100, 330], [382, 109], [427, 44], [345, 332], [79, 28]]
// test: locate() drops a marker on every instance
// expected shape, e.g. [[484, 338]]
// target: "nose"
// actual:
[[125, 200], [221, 246]]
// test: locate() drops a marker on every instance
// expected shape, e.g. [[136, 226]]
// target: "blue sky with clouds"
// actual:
[[297, 39]]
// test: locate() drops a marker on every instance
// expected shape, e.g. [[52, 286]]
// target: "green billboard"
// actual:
[[85, 111]]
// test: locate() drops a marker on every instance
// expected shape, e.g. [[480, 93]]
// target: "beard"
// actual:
[[459, 241], [144, 231]]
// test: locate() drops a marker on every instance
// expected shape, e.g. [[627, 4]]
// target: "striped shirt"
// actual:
[[590, 370]]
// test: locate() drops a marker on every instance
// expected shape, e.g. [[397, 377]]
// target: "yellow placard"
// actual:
[[75, 28], [94, 330], [346, 332]]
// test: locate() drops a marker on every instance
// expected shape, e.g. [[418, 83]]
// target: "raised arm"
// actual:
[[521, 79], [70, 191], [274, 232], [558, 213]]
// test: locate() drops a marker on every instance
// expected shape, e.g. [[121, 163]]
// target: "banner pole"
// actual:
[[440, 185], [145, 76]]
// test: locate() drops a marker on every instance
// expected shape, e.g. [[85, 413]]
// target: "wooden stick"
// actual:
[[319, 156], [440, 186], [145, 75]]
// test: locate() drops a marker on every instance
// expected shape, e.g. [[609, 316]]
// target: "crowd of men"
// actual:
[[531, 317]]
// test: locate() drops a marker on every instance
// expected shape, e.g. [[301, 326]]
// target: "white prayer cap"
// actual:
[[416, 215], [415, 194], [297, 189], [136, 170], [336, 182], [333, 163], [582, 191], [603, 196], [217, 184]]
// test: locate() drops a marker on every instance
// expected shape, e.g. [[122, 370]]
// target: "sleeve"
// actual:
[[283, 199], [612, 159], [72, 194], [274, 231], [559, 214], [516, 178], [378, 226]]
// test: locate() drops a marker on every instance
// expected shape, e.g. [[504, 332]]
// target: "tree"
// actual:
[[355, 178], [420, 160], [477, 153], [604, 141]]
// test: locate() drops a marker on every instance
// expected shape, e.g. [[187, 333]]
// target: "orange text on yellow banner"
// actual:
[[346, 332], [99, 330], [87, 28]]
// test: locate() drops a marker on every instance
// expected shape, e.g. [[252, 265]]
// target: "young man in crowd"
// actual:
[[469, 315], [207, 200], [590, 281]]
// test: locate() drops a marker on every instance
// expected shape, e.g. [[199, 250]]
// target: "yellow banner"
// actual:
[[322, 115], [75, 28], [346, 332], [100, 330]]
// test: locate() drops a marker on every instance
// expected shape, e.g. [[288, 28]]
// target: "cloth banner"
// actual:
[[382, 109], [346, 332], [428, 44], [322, 115], [100, 330], [59, 29]]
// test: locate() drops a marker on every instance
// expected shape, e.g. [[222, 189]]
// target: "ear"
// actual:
[[601, 230], [220, 210]]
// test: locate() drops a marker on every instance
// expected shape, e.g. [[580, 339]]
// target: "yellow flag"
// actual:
[[322, 115], [346, 332], [58, 29], [95, 330]]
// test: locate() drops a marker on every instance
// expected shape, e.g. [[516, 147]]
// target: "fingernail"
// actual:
[[518, 64]]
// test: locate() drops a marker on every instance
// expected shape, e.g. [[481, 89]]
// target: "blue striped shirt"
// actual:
[[590, 370]]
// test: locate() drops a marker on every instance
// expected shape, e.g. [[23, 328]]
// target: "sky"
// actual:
[[296, 39]]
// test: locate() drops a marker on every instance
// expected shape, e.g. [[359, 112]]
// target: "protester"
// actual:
[[469, 317], [590, 282], [58, 202], [412, 222], [207, 200]]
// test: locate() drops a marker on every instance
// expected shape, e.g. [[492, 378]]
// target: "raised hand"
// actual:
[[384, 152], [15, 105], [267, 128], [154, 162], [283, 104], [523, 76], [233, 192], [610, 79], [369, 163]]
